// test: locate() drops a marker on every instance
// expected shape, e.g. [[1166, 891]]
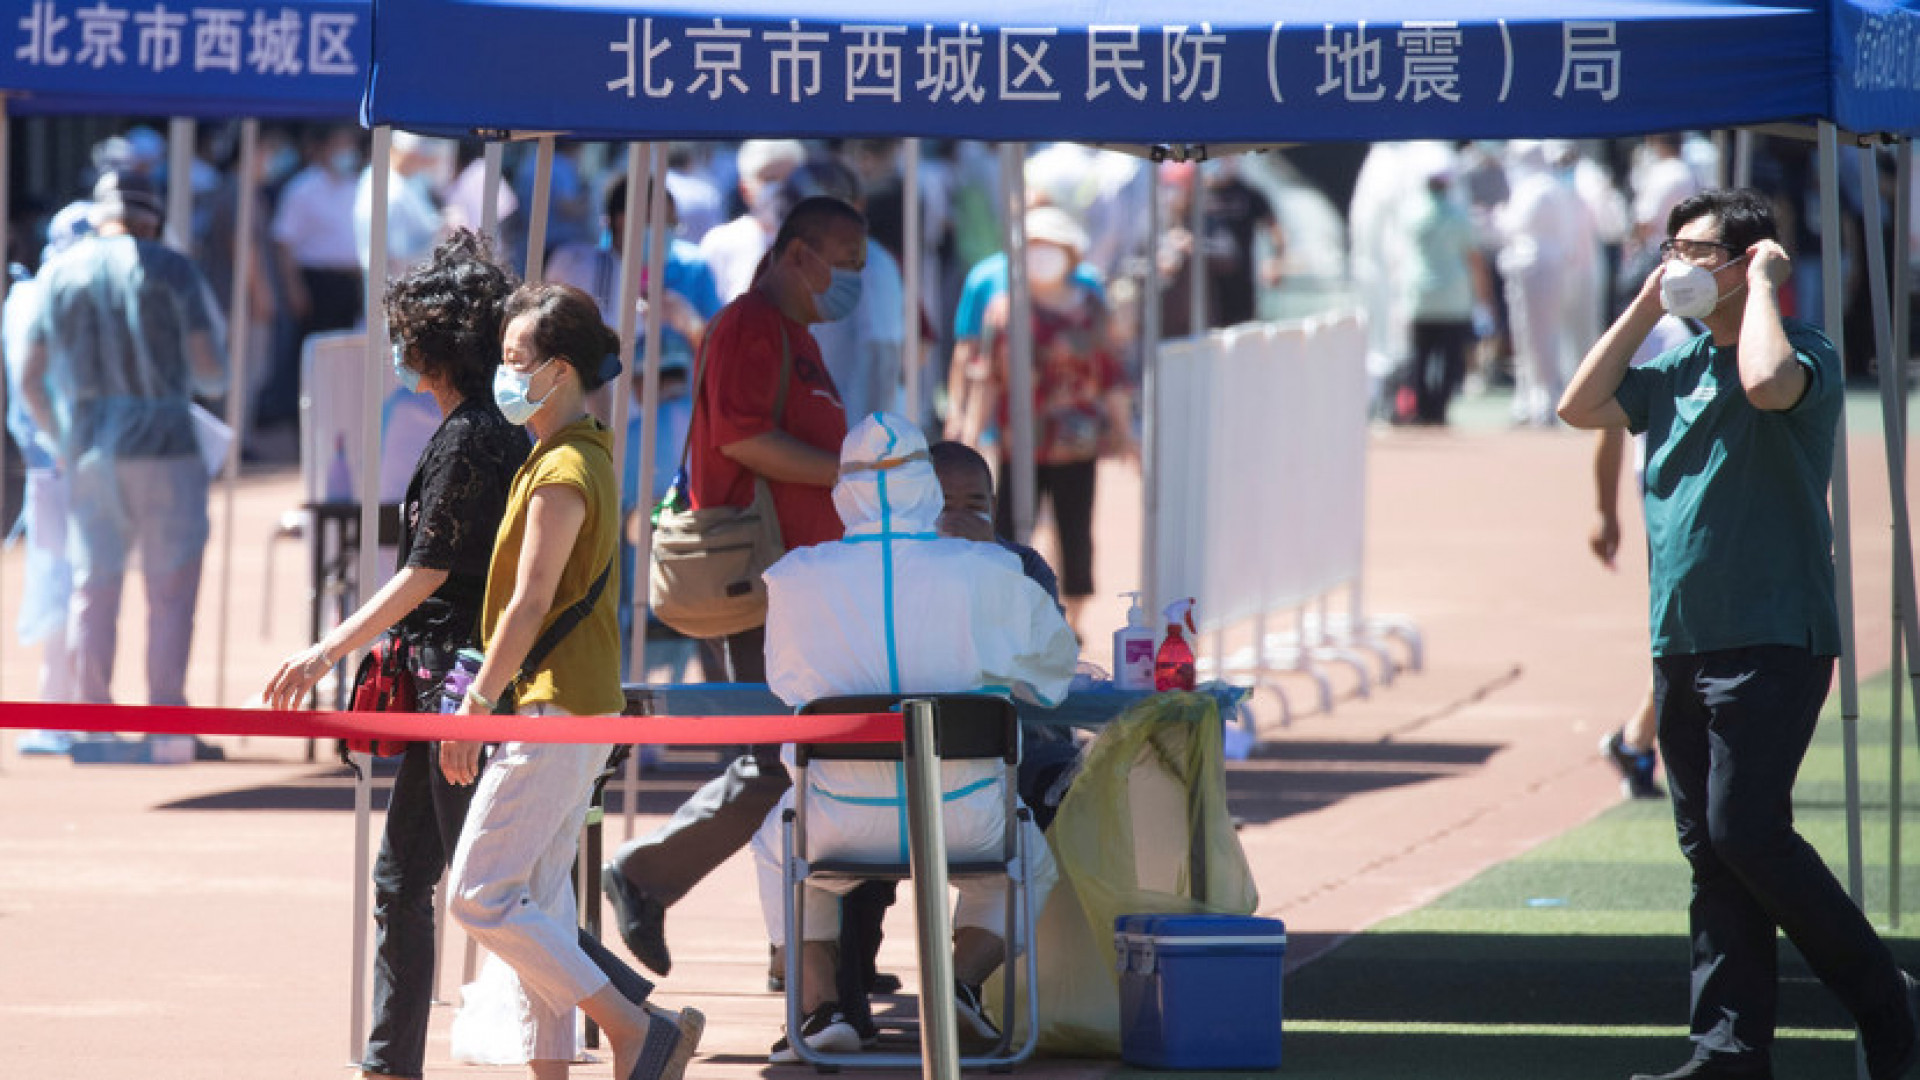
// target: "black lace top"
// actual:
[[452, 510]]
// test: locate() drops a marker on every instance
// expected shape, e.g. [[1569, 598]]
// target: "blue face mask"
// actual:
[[842, 295], [510, 393], [409, 379]]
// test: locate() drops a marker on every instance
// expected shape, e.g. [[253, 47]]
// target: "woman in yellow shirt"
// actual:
[[555, 549]]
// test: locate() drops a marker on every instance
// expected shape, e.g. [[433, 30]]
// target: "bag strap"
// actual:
[[552, 635], [779, 399]]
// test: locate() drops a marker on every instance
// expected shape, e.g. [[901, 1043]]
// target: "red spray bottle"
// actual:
[[1173, 664]]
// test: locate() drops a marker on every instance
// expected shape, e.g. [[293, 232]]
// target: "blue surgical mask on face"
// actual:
[[409, 379], [842, 294], [510, 393]]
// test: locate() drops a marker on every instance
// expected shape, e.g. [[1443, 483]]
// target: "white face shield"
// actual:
[[887, 487]]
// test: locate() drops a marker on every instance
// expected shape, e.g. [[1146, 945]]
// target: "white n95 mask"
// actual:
[[1690, 291]]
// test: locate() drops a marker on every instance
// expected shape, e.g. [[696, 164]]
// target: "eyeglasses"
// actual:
[[1699, 252]]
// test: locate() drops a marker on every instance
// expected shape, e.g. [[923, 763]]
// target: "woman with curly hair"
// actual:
[[444, 319]]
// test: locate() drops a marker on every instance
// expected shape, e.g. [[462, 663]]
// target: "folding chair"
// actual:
[[969, 727]]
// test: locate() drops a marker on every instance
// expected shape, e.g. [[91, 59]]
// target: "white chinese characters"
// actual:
[[1421, 63], [161, 37]]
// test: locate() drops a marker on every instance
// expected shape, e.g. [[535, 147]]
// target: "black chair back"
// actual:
[[966, 727]]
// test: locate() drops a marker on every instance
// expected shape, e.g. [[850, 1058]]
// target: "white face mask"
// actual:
[[1047, 265], [1690, 291]]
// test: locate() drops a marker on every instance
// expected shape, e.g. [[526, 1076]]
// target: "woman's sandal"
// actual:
[[657, 1054], [692, 1023]]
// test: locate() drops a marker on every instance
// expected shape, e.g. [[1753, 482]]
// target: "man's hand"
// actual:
[[1605, 540], [679, 315], [1768, 261]]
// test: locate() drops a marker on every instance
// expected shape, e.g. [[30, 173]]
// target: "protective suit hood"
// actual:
[[887, 486]]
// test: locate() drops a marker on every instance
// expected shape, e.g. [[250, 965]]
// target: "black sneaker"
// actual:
[[1636, 768], [977, 1029], [643, 921], [1898, 1057], [826, 1032], [1716, 1068]]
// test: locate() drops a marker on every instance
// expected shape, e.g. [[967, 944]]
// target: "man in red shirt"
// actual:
[[811, 275]]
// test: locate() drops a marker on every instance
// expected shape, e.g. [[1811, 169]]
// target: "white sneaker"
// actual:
[[825, 1030], [976, 1027]]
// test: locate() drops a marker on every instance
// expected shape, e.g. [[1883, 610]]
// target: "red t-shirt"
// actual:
[[736, 400]]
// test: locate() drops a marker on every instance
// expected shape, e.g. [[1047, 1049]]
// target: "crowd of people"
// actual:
[[1502, 260], [783, 334]]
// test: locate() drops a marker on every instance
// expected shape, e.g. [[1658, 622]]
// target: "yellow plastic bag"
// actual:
[[1144, 823]]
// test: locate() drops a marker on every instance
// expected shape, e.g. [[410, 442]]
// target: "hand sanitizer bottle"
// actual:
[[1133, 650]]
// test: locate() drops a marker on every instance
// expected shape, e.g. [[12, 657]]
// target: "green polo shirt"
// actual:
[[1739, 543]]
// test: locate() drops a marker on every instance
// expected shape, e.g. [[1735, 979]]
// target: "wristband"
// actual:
[[476, 697]]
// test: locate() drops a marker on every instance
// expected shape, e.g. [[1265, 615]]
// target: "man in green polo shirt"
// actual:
[[1740, 425]]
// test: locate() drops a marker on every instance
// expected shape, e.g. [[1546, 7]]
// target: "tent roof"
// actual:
[[1115, 71], [271, 59]]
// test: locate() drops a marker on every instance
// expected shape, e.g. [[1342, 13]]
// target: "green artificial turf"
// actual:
[[1571, 961]]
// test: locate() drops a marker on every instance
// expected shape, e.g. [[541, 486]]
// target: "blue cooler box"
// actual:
[[1199, 991]]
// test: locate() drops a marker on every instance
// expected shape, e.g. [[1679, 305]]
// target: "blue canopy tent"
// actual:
[[299, 60], [250, 61], [1117, 72], [245, 59], [1230, 75]]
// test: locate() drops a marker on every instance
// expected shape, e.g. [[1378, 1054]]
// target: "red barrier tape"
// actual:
[[661, 730]]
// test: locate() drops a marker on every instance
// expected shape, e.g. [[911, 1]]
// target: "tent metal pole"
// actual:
[[1199, 322], [380, 175], [542, 196], [1891, 418], [656, 279], [626, 323], [490, 167], [1897, 372], [1150, 330], [1742, 158], [6, 282], [927, 850], [180, 136], [239, 317], [1829, 153], [656, 329], [912, 352], [618, 390], [1017, 444]]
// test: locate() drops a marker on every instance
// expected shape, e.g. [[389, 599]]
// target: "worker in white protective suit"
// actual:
[[894, 608], [1547, 251]]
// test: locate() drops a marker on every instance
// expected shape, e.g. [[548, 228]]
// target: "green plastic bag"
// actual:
[[1144, 828]]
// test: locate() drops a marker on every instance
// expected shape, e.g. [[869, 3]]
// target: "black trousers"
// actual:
[[1070, 488], [1734, 728], [334, 304], [424, 816], [1438, 365]]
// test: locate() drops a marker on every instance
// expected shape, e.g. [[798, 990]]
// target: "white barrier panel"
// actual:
[[1262, 485]]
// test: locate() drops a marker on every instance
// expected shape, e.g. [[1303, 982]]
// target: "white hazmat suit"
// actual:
[[1548, 258], [892, 609]]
